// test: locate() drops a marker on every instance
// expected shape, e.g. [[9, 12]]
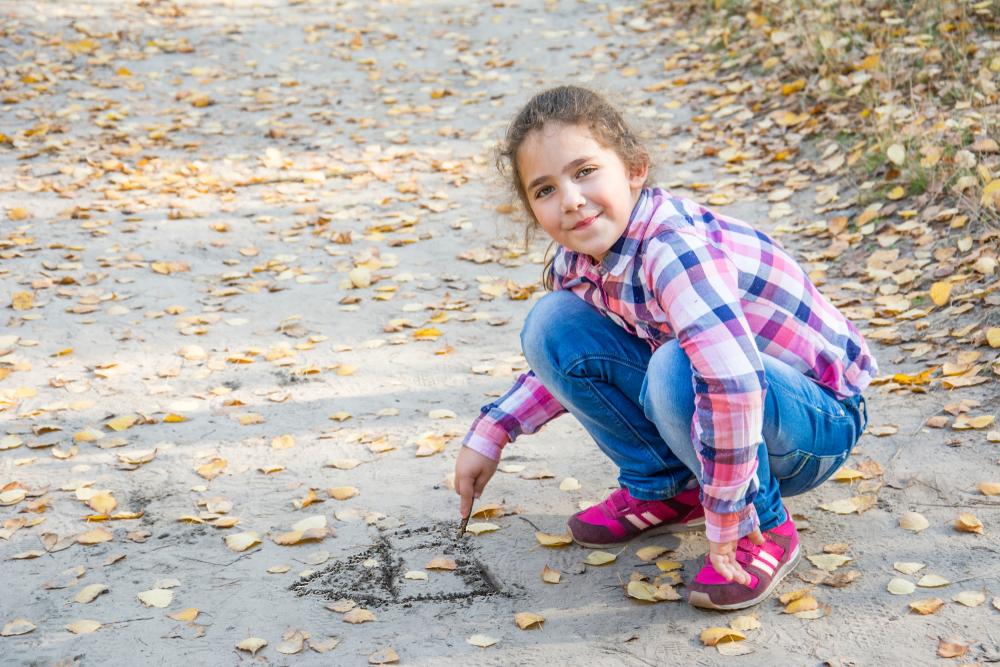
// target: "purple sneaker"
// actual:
[[621, 517], [767, 565]]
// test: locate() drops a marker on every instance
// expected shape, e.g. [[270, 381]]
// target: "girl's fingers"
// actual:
[[464, 486]]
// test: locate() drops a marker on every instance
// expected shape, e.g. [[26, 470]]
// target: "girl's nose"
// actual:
[[572, 199]]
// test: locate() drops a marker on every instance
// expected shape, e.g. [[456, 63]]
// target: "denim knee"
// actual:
[[666, 392], [547, 324]]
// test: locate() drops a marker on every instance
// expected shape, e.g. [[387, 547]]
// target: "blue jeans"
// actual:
[[638, 404]]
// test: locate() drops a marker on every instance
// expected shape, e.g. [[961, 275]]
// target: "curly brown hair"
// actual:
[[568, 105]]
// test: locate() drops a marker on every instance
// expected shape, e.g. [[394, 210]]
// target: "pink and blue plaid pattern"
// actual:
[[729, 294]]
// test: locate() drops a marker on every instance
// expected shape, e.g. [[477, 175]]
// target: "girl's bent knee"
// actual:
[[548, 323]]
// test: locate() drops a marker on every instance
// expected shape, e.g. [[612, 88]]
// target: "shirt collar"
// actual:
[[623, 250]]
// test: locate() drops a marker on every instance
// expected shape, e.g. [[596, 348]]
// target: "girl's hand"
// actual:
[[723, 558], [472, 472]]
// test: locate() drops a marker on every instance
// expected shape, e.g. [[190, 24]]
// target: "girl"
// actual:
[[692, 348]]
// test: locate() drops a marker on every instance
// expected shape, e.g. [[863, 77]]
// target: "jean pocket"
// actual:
[[801, 471]]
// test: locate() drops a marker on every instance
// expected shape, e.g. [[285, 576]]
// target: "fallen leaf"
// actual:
[[212, 469], [600, 558], [416, 575], [383, 656], [551, 576], [898, 586], [185, 615], [932, 581], [242, 541], [19, 626], [829, 562], [928, 606], [527, 619], [716, 635], [951, 649], [441, 563], [83, 626], [804, 603], [358, 615], [157, 597], [323, 645], [342, 492], [95, 536], [913, 521], [252, 645], [549, 540], [293, 641], [651, 553], [745, 623], [968, 523], [907, 568], [482, 641], [481, 527], [89, 593], [569, 484], [970, 598]]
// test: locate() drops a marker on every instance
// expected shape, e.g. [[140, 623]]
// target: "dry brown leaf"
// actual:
[[358, 615]]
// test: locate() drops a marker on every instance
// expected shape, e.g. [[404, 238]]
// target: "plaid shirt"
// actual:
[[729, 294]]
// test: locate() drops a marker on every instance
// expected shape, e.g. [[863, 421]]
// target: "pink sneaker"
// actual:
[[767, 565], [621, 517]]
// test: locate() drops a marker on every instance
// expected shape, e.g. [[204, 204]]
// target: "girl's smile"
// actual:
[[580, 192]]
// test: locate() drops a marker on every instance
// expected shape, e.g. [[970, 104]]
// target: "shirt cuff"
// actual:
[[731, 526], [485, 446]]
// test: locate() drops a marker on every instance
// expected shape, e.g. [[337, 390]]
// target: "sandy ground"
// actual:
[[252, 141]]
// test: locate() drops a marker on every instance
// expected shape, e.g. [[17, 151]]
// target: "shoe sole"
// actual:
[[691, 526], [703, 601]]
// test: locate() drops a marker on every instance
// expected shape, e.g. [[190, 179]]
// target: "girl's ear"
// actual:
[[637, 175]]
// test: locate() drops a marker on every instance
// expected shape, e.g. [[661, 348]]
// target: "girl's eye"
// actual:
[[541, 192], [586, 171]]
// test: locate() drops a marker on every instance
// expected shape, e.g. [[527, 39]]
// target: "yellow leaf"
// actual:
[[989, 488], [549, 540], [185, 616], [174, 418], [102, 503], [897, 192], [252, 645], [551, 576], [83, 626], [441, 563], [89, 593], [793, 87], [122, 423], [18, 213], [896, 154], [157, 597], [242, 541], [913, 521], [669, 565], [19, 626], [641, 590], [358, 615], [899, 586], [970, 598], [941, 292], [651, 553], [482, 641], [428, 333], [482, 527], [804, 603], [932, 581], [846, 475], [95, 536], [212, 469], [527, 619], [968, 523], [928, 606], [342, 492], [22, 301], [283, 442], [600, 558], [569, 484], [717, 635], [991, 194]]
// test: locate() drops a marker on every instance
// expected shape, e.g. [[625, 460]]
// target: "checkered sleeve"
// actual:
[[525, 408], [696, 285]]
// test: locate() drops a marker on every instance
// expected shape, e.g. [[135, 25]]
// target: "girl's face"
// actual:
[[580, 192]]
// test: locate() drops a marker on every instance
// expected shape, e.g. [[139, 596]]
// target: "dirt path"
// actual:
[[238, 227]]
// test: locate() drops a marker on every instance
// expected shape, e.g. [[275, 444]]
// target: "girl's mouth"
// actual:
[[583, 224]]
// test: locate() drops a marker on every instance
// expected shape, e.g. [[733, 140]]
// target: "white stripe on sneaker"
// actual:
[[651, 518], [637, 522], [763, 566], [769, 558]]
